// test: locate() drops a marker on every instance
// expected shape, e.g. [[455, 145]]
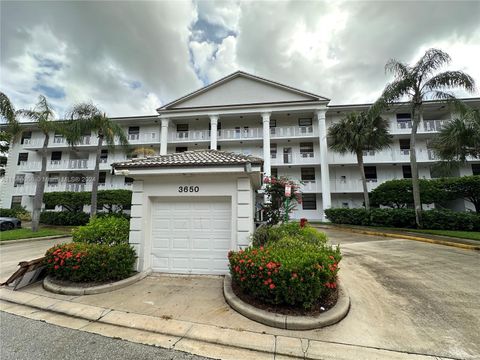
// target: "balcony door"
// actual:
[[287, 155]]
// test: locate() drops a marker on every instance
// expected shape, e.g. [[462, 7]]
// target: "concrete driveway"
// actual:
[[406, 296], [13, 252]]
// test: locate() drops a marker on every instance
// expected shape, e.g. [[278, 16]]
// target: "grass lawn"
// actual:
[[472, 235], [17, 234]]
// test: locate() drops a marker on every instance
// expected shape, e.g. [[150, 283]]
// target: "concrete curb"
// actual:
[[7, 242], [410, 237], [330, 317], [78, 291]]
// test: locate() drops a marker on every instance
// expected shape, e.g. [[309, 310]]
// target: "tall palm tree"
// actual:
[[357, 132], [417, 83], [44, 117], [85, 118], [8, 114], [459, 138]]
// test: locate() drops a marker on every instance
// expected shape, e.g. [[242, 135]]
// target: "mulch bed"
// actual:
[[68, 283], [315, 310]]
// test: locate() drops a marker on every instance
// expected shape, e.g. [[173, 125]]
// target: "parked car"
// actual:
[[9, 223]]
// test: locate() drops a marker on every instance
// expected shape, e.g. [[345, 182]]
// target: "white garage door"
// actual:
[[191, 235]]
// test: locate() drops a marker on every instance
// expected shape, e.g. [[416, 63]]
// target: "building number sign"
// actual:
[[187, 189]]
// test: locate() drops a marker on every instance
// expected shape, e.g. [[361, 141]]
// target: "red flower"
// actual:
[[56, 267], [272, 286], [265, 282]]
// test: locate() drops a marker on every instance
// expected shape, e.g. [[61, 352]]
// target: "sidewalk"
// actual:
[[195, 319], [405, 234]]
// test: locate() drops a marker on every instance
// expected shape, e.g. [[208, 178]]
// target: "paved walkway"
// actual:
[[407, 298]]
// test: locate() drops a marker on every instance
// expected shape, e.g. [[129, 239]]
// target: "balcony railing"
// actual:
[[191, 135], [425, 126], [294, 158], [310, 186]]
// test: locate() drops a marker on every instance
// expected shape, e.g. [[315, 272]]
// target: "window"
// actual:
[[102, 176], [370, 173], [181, 149], [476, 169], [56, 157], [26, 137], [22, 158], [405, 146], [53, 179], [404, 121], [19, 180], [308, 174], [182, 127], [274, 172], [16, 202], [58, 138], [133, 132], [104, 156], [128, 181], [306, 150], [309, 202], [305, 122], [273, 127], [407, 171], [273, 151], [287, 155]]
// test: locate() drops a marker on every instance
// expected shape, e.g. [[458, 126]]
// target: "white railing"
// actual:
[[295, 158], [291, 131], [133, 137], [241, 133], [309, 186], [78, 164], [405, 151], [58, 140], [426, 126], [352, 185], [191, 135]]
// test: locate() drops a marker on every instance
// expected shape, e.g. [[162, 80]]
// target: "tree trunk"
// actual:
[[40, 188], [417, 116], [364, 180], [96, 172]]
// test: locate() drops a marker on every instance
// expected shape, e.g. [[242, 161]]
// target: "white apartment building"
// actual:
[[246, 114]]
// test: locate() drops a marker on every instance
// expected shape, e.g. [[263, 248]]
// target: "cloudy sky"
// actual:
[[131, 57]]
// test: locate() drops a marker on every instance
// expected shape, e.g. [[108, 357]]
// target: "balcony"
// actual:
[[57, 165], [310, 186], [294, 158], [292, 131], [352, 185], [191, 135], [59, 142], [425, 126]]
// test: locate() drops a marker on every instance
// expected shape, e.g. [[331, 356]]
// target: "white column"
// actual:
[[164, 137], [325, 174], [213, 131], [266, 144]]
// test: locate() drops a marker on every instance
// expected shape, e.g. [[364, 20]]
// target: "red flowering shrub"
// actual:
[[278, 208], [289, 271], [81, 262]]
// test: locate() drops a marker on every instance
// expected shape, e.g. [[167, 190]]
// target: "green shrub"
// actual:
[[289, 271], [66, 218], [80, 262], [109, 230], [112, 200], [270, 234], [405, 218], [18, 212]]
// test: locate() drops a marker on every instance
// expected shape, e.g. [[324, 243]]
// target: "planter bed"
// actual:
[[285, 317], [88, 288]]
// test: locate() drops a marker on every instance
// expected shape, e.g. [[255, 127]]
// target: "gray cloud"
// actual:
[[129, 57]]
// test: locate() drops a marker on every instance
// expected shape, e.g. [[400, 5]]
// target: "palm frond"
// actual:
[[450, 80], [431, 61], [396, 90], [397, 68], [7, 110]]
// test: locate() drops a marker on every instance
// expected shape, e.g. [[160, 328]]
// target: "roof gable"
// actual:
[[241, 88]]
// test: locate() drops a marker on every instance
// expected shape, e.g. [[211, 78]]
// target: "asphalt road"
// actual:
[[23, 338]]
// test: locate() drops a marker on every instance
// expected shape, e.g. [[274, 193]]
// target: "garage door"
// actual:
[[191, 235]]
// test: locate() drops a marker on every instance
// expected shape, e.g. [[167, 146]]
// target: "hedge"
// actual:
[[265, 234], [74, 201], [81, 262], [405, 218], [109, 230], [66, 218], [17, 212], [288, 272]]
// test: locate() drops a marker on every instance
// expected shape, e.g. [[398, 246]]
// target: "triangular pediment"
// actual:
[[241, 89]]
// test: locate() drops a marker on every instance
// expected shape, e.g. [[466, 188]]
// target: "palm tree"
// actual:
[[44, 116], [12, 127], [418, 83], [459, 138], [85, 118], [357, 132]]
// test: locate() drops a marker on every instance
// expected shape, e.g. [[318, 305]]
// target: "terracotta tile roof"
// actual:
[[190, 158]]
